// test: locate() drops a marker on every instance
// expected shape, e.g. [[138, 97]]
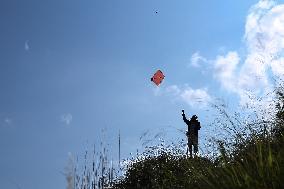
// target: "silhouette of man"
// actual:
[[192, 132]]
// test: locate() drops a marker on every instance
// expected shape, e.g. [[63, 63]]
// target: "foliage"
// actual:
[[253, 159], [251, 155], [164, 170]]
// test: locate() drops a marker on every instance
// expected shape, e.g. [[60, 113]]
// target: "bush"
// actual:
[[254, 159]]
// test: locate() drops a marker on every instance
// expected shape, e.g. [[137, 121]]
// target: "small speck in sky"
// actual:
[[66, 118], [8, 121], [27, 47]]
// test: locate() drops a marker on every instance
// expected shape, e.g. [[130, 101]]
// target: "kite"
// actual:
[[158, 77]]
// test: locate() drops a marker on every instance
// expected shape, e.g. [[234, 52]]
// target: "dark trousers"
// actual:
[[192, 141]]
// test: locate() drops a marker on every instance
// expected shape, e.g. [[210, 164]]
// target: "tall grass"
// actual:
[[97, 172]]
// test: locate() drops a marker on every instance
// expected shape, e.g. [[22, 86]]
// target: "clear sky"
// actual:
[[69, 68]]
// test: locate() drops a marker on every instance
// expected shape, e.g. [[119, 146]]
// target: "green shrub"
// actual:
[[254, 159]]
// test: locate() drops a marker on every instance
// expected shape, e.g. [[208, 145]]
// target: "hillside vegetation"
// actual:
[[252, 158], [251, 161]]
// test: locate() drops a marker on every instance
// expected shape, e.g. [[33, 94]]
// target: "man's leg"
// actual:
[[187, 150], [195, 149], [190, 148], [195, 146]]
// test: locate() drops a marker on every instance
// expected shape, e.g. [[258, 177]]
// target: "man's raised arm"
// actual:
[[183, 117]]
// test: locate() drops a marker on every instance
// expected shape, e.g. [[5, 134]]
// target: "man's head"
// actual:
[[194, 117]]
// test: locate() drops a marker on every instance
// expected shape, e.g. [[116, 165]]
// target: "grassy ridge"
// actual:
[[254, 159], [259, 165]]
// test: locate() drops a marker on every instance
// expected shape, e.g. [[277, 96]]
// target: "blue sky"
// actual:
[[68, 69]]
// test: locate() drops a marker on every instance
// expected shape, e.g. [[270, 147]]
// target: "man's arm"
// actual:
[[183, 117]]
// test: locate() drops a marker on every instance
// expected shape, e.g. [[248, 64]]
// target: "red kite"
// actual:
[[158, 77]]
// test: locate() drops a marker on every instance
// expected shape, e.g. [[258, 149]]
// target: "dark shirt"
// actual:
[[193, 125]]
